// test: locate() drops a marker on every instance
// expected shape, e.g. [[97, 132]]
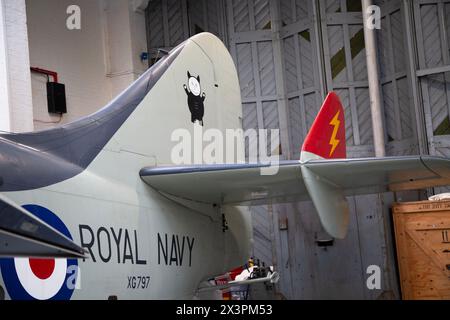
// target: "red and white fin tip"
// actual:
[[326, 139]]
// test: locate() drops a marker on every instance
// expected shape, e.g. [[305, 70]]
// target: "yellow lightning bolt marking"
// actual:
[[333, 141]]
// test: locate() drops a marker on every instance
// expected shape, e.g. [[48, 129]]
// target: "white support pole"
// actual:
[[374, 81], [5, 116]]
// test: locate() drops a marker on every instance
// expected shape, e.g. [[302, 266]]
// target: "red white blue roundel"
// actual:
[[40, 279]]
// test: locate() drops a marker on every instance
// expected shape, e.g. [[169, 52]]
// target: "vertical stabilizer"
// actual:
[[326, 140]]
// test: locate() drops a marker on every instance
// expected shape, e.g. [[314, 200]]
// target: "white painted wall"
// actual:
[[77, 55], [15, 87], [5, 118], [126, 40], [95, 63]]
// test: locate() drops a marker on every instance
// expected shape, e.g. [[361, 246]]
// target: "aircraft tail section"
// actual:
[[326, 140], [188, 98], [57, 154], [191, 89], [323, 175], [197, 99]]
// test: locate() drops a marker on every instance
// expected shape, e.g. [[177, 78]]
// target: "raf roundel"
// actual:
[[41, 279]]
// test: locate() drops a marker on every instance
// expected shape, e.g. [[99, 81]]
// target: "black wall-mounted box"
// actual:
[[56, 97]]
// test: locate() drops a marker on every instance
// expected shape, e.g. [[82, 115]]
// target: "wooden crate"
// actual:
[[422, 232]]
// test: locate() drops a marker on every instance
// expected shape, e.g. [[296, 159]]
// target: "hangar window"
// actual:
[[198, 29], [169, 23], [443, 129], [338, 61], [354, 6]]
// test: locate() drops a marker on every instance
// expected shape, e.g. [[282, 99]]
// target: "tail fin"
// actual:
[[326, 140]]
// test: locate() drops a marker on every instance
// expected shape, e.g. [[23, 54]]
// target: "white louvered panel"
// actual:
[[398, 42], [408, 148], [290, 65], [240, 16], [295, 122], [443, 152], [447, 20], [287, 14], [155, 25], [306, 61], [175, 22], [359, 61], [438, 99], [345, 99], [397, 101], [354, 29], [335, 39], [389, 110], [262, 14], [197, 15], [360, 67], [213, 17], [271, 121], [364, 116], [336, 44], [245, 69], [250, 117], [332, 6], [250, 121], [266, 68], [301, 9], [383, 50], [431, 35], [405, 104], [270, 113], [311, 110]]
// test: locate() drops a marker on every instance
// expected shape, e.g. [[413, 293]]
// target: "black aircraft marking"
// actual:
[[179, 247], [120, 238]]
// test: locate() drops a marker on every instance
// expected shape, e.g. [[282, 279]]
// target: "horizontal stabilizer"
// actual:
[[322, 175], [244, 184], [228, 184], [24, 235]]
